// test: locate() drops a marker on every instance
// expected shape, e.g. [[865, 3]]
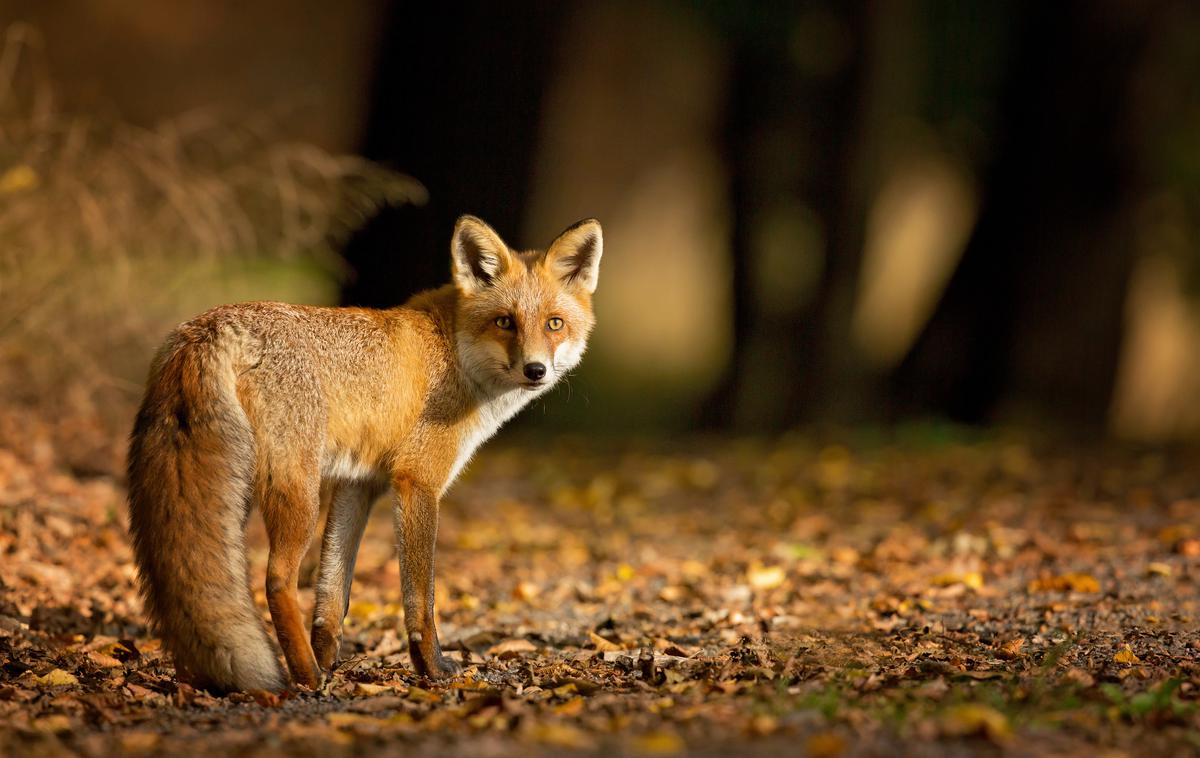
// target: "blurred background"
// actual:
[[857, 213]]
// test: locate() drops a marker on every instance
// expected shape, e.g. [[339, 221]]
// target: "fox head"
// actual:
[[523, 318]]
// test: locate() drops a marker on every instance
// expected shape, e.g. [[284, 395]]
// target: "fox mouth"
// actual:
[[533, 385]]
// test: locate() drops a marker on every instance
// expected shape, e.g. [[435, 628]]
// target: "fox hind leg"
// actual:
[[349, 509], [290, 508]]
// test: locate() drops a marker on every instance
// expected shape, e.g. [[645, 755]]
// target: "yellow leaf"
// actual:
[[560, 735], [1159, 569], [765, 577], [763, 725], [567, 689], [572, 707], [972, 579], [114, 649], [1073, 582], [103, 661], [625, 572], [693, 569], [976, 718], [659, 743], [57, 678], [362, 610], [18, 178], [1126, 655], [423, 696], [356, 721]]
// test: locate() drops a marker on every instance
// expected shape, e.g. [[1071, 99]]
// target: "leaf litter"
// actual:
[[739, 595]]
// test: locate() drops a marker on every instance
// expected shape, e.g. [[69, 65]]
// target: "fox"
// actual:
[[269, 405]]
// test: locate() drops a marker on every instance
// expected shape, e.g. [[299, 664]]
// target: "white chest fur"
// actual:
[[490, 416]]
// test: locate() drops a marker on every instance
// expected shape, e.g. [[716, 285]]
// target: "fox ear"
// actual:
[[477, 255], [575, 255]]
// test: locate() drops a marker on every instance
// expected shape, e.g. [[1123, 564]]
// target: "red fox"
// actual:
[[268, 403]]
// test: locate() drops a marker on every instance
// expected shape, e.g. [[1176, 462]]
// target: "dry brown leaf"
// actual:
[[825, 745], [603, 645], [1072, 582], [659, 742], [104, 661], [560, 735], [512, 648]]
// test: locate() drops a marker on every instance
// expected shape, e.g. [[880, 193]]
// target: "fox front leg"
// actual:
[[416, 515]]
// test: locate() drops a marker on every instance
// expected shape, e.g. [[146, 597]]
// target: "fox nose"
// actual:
[[535, 371]]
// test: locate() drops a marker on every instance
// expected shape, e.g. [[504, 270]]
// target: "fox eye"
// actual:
[[554, 324], [504, 322]]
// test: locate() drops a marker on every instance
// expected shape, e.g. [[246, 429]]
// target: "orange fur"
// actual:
[[272, 404]]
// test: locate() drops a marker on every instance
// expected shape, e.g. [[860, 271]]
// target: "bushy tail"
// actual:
[[191, 468]]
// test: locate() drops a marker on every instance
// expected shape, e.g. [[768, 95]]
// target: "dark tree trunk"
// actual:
[[456, 104], [1030, 324], [791, 140]]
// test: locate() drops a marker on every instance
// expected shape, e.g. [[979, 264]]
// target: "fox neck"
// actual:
[[488, 409]]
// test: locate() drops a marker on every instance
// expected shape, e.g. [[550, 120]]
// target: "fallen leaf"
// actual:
[[511, 648], [367, 689], [602, 644], [1079, 677], [1072, 582], [659, 743], [572, 707], [423, 696], [762, 725], [57, 678], [104, 661], [765, 577], [975, 718], [54, 724], [824, 745], [526, 591], [1010, 649], [559, 735], [18, 178], [972, 579]]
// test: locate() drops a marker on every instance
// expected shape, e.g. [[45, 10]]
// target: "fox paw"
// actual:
[[441, 668], [326, 644]]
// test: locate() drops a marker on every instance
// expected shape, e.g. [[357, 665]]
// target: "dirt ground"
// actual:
[[703, 597]]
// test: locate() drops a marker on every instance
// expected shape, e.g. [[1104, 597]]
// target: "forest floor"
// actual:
[[709, 597]]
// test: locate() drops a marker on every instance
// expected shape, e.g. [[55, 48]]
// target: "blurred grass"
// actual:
[[110, 234]]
